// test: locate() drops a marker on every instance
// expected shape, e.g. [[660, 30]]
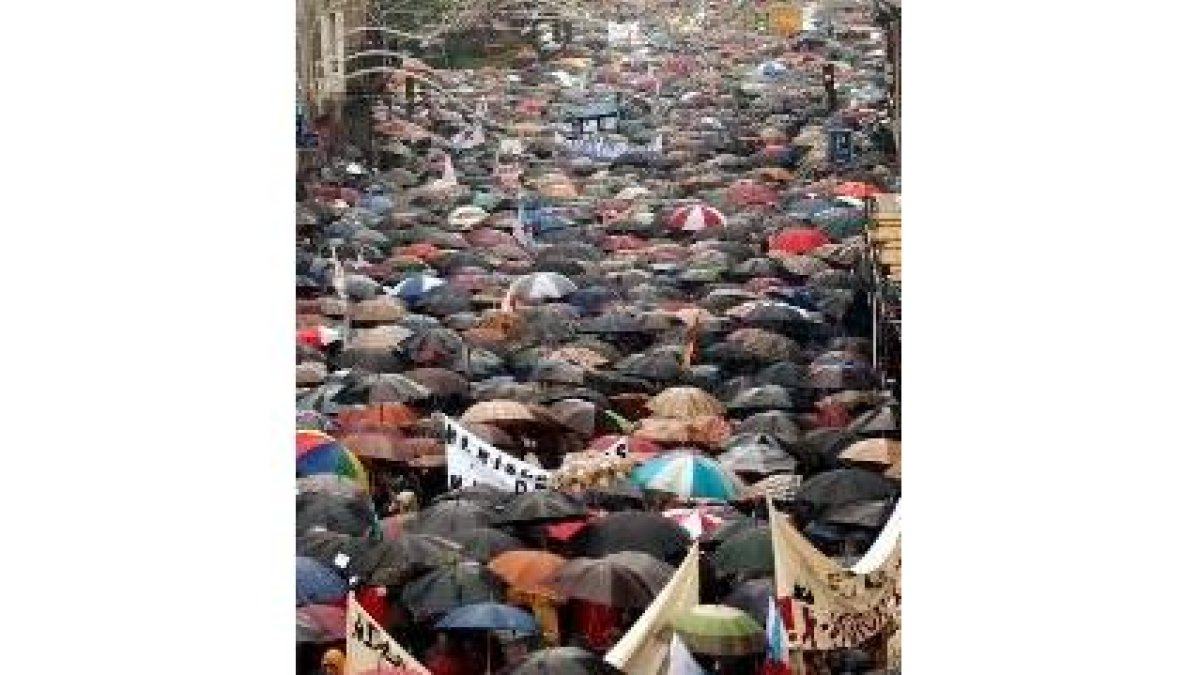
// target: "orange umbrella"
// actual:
[[377, 417], [526, 570]]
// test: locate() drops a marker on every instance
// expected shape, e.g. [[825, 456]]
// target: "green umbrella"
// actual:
[[747, 553], [720, 630]]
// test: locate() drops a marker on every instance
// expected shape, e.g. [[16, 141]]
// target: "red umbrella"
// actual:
[[798, 240], [856, 189], [746, 192], [695, 218]]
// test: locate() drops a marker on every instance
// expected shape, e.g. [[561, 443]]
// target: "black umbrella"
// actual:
[[844, 486], [450, 587], [788, 374], [334, 549], [481, 493], [657, 365], [484, 543], [783, 427], [564, 661], [751, 597], [542, 506], [393, 562], [448, 517], [337, 514], [766, 397], [643, 531], [380, 388]]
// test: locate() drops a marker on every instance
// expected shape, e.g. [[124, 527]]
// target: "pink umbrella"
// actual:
[[695, 218]]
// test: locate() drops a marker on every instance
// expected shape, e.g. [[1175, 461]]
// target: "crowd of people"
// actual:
[[672, 332]]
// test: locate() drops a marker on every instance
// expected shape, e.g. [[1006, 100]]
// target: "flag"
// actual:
[[823, 605], [778, 654], [681, 661], [369, 647], [645, 646]]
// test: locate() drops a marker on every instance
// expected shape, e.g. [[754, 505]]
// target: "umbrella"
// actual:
[[440, 382], [541, 286], [379, 309], [767, 397], [719, 630], [542, 506], [319, 453], [489, 616], [320, 624], [316, 510], [767, 345], [450, 587], [882, 452], [327, 483], [751, 597], [747, 553], [655, 572], [394, 561], [603, 581], [381, 388], [564, 661], [484, 543], [335, 549], [415, 286], [843, 486], [797, 240], [633, 531], [316, 583], [689, 476], [685, 403], [869, 515], [483, 494], [695, 218], [756, 453], [451, 516], [697, 521], [526, 570]]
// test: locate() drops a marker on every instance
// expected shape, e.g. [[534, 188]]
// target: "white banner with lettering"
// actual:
[[370, 648], [471, 460]]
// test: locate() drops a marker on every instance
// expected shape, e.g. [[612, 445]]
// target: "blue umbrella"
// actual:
[[489, 616], [316, 583], [416, 286], [378, 204]]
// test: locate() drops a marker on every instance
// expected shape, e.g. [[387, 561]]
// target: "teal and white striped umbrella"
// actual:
[[689, 476]]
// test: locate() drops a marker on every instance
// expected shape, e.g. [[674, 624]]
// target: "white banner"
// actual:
[[471, 460], [369, 647]]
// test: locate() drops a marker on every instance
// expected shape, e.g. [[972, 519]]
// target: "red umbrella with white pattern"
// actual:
[[695, 218], [697, 521]]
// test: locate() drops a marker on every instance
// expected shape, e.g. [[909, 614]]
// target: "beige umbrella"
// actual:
[[685, 403], [878, 451], [381, 308]]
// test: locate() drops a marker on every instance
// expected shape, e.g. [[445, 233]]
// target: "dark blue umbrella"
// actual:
[[316, 583], [489, 616]]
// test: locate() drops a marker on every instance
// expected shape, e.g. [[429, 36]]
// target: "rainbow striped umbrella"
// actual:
[[318, 452], [689, 476]]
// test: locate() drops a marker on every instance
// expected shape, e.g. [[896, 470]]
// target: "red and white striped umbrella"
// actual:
[[697, 521], [695, 218]]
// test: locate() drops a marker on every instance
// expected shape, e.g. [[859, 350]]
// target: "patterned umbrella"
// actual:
[[720, 630], [318, 452], [697, 521], [695, 218], [689, 476], [604, 581]]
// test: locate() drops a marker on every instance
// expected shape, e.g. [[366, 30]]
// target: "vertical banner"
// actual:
[[370, 648], [471, 460]]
